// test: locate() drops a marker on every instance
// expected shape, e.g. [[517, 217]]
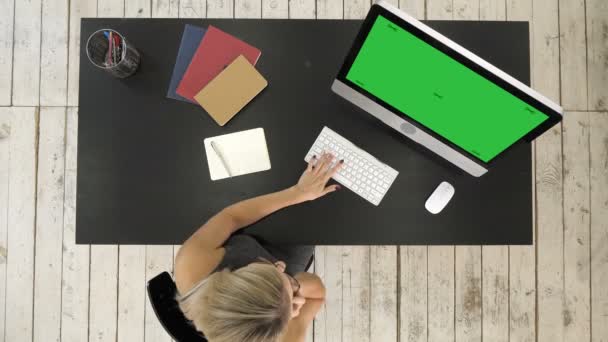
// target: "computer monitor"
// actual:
[[438, 93]]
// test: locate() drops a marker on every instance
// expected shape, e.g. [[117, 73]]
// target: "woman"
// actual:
[[235, 288]]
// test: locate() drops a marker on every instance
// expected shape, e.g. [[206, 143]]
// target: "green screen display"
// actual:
[[439, 92]]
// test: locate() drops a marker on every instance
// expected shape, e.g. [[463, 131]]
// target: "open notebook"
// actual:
[[237, 154]]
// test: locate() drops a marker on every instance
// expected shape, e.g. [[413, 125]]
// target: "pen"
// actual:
[[109, 58], [217, 150]]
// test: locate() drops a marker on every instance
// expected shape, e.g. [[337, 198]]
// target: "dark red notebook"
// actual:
[[216, 51]]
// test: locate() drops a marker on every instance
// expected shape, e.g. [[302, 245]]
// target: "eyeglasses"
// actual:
[[295, 284]]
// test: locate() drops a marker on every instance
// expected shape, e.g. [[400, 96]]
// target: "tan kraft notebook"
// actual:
[[231, 90]]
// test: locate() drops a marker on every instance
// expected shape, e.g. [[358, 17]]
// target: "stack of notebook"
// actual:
[[215, 70]]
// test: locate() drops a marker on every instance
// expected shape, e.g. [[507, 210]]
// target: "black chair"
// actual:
[[161, 291]]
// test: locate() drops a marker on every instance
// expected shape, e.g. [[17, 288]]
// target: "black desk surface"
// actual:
[[143, 177]]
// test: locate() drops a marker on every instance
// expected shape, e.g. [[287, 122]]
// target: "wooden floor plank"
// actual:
[[275, 9], [138, 8], [75, 274], [21, 220], [576, 208], [192, 9], [441, 262], [495, 259], [522, 294], [165, 8], [328, 266], [467, 263], [158, 259], [220, 8], [413, 294], [103, 298], [54, 53], [545, 48], [330, 9], [356, 289], [440, 271], [353, 322], [439, 9], [467, 304], [356, 263], [5, 117], [392, 2], [383, 309], [549, 182], [26, 55], [522, 259], [131, 293], [440, 275], [247, 8], [599, 225], [415, 8], [522, 279], [356, 9], [104, 295], [134, 9], [573, 54], [597, 54], [519, 10], [78, 9], [49, 225], [465, 10], [495, 288], [492, 10], [7, 21], [302, 9], [379, 321], [550, 251], [110, 8]]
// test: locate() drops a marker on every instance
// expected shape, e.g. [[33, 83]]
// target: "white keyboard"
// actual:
[[362, 173]]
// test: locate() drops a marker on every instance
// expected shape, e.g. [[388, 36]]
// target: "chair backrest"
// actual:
[[161, 292]]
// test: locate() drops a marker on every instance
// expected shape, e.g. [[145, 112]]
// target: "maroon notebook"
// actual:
[[216, 51]]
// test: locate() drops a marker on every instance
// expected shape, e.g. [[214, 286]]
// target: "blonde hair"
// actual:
[[248, 304]]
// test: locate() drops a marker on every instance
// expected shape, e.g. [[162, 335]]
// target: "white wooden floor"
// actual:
[[556, 290]]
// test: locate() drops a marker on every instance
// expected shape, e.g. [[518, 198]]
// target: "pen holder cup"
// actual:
[[110, 51]]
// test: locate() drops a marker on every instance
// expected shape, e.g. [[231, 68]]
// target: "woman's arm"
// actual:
[[313, 291], [203, 250]]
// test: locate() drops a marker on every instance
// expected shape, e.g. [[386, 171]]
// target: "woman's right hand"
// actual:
[[313, 182]]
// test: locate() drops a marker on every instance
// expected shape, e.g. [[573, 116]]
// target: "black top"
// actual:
[[241, 250], [143, 176]]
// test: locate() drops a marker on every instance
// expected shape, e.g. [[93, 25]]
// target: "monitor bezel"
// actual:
[[553, 118]]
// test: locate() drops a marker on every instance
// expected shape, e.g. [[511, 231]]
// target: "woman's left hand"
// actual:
[[313, 182]]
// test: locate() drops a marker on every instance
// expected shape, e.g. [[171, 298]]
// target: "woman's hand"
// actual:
[[313, 182], [296, 304]]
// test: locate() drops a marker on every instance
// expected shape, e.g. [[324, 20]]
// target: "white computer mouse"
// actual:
[[439, 198]]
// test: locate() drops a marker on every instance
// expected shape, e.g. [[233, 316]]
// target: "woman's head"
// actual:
[[253, 303]]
